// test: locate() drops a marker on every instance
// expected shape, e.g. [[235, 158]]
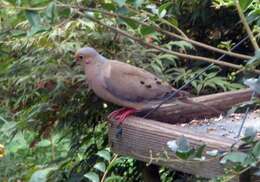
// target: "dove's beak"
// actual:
[[87, 61]]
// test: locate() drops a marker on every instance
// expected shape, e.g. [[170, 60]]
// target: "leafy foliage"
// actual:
[[51, 124], [207, 81], [248, 158]]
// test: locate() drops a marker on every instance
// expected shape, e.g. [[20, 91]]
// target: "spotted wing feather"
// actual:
[[133, 84]]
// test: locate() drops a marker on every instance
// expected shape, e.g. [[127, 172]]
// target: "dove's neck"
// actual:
[[101, 59], [94, 71]]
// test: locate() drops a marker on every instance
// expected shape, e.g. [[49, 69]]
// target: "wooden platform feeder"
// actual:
[[146, 139]]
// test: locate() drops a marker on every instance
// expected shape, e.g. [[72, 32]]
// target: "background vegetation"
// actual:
[[50, 123]]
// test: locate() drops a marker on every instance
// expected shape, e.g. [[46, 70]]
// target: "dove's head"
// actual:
[[89, 55]]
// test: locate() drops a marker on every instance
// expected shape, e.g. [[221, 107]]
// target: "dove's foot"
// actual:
[[121, 114], [115, 113]]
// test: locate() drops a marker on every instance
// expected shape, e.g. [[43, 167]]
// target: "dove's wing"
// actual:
[[132, 84]]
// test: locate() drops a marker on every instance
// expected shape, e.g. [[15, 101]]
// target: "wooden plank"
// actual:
[[178, 112], [146, 140], [142, 139]]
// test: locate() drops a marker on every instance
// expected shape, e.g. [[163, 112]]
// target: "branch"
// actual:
[[157, 28], [186, 56], [248, 30], [4, 6], [106, 172]]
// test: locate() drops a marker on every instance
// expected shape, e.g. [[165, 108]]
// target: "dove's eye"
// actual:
[[81, 57]]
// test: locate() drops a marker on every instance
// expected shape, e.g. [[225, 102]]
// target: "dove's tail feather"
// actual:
[[186, 100], [184, 97]]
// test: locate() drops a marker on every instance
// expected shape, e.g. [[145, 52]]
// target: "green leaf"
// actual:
[[114, 179], [165, 6], [255, 61], [44, 143], [162, 13], [211, 75], [183, 144], [35, 21], [253, 83], [199, 87], [138, 3], [181, 44], [120, 2], [174, 21], [3, 119], [250, 132], [169, 57], [133, 24], [235, 157], [33, 18], [185, 155], [156, 68], [122, 10], [8, 128], [184, 151], [109, 6], [199, 151], [115, 163], [162, 10], [244, 4], [41, 175], [145, 30], [50, 12], [101, 166], [256, 150], [250, 160], [92, 176], [104, 154], [18, 143]]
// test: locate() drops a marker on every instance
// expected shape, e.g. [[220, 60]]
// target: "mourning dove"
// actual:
[[123, 84]]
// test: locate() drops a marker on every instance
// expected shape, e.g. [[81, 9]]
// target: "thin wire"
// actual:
[[245, 116], [186, 84]]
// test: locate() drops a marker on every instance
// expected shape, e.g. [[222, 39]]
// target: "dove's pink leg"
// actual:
[[121, 114], [116, 112]]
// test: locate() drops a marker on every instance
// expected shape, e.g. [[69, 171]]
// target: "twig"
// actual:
[[197, 58], [52, 149], [248, 30], [107, 169], [169, 161]]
